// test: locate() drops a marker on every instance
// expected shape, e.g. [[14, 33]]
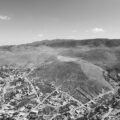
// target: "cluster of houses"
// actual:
[[20, 100]]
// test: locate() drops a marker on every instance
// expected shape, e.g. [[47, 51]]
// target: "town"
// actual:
[[22, 99]]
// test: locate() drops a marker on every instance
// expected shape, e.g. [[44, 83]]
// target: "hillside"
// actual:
[[99, 54], [102, 52], [71, 67]]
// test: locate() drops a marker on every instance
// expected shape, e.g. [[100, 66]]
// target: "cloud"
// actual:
[[74, 31], [37, 37], [40, 35], [98, 30], [4, 17]]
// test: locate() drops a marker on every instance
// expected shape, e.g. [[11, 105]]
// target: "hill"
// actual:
[[94, 56], [59, 75]]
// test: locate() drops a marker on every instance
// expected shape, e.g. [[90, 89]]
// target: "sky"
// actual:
[[25, 21]]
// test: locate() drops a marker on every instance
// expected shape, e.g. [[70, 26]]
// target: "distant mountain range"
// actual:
[[71, 43]]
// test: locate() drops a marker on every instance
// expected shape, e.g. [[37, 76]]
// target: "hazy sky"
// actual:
[[23, 21]]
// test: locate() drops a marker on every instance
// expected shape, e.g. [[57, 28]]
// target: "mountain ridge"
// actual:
[[69, 43]]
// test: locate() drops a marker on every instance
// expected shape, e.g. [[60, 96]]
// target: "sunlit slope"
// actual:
[[30, 56]]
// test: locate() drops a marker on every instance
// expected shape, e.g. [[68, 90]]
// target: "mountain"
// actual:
[[74, 43], [73, 64], [102, 52], [54, 76]]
